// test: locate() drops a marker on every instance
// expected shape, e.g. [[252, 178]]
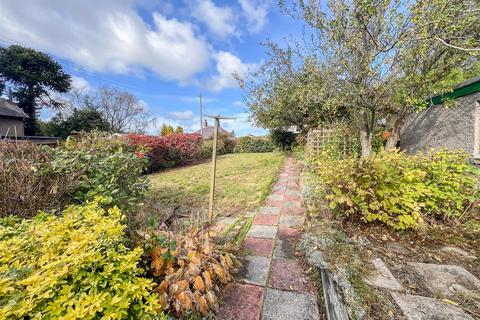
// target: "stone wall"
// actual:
[[436, 127]]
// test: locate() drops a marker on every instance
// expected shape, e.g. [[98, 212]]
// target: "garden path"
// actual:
[[273, 284]]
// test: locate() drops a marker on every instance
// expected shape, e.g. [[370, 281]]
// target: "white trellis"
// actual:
[[318, 141]]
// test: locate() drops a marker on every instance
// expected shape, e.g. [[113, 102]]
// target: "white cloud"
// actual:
[[219, 20], [227, 65], [181, 115], [255, 11], [80, 84], [106, 36], [239, 104], [242, 125]]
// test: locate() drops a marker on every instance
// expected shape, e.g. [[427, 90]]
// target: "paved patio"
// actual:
[[272, 283]]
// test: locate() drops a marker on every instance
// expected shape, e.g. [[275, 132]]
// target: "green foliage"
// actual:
[[166, 130], [31, 75], [400, 190], [86, 120], [254, 144], [225, 145], [109, 167], [72, 266], [283, 139], [178, 130]]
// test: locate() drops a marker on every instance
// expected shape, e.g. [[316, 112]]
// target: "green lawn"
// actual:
[[243, 181]]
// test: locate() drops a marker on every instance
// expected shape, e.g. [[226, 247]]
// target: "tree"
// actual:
[[86, 120], [166, 130], [385, 56], [283, 139], [33, 77], [178, 130]]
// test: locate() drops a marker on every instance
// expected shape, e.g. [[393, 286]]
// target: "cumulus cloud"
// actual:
[[255, 11], [228, 65], [181, 115], [242, 125], [80, 84], [107, 36], [219, 20]]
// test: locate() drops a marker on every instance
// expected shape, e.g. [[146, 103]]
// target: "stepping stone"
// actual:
[[291, 221], [241, 302], [266, 232], [423, 308], [458, 251], [266, 219], [447, 280], [287, 275], [382, 277], [288, 233], [270, 210], [284, 249], [285, 305], [254, 270], [258, 247]]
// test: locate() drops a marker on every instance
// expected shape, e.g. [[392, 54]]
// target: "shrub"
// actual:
[[107, 166], [72, 266], [190, 269], [168, 151], [283, 139], [28, 183], [254, 144], [400, 190], [225, 145]]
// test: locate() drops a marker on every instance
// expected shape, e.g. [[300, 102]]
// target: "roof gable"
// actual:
[[9, 109]]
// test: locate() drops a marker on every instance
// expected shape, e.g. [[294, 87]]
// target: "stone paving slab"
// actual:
[[291, 221], [292, 193], [423, 308], [287, 275], [284, 249], [227, 221], [259, 231], [292, 204], [266, 219], [275, 197], [269, 210], [241, 302], [285, 305], [258, 246], [382, 277], [293, 211], [288, 233], [447, 280], [254, 270]]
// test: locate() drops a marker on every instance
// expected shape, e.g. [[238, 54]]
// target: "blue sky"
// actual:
[[165, 52]]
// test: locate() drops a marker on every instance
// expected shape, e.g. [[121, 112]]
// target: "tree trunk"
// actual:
[[393, 139], [366, 143]]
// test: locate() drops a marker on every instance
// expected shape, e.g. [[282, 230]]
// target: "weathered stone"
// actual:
[[447, 280], [258, 246], [227, 221], [382, 277], [270, 210], [284, 249], [241, 301], [292, 204], [292, 193], [284, 305], [266, 232], [458, 251], [288, 233], [275, 197], [266, 219], [287, 275], [291, 221], [423, 308], [254, 270]]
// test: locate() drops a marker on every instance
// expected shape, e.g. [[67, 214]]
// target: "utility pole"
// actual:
[[201, 116], [214, 165]]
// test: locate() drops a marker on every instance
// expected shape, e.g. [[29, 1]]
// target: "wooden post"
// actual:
[[201, 116], [214, 167]]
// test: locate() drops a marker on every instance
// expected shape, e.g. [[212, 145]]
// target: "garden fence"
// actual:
[[339, 142]]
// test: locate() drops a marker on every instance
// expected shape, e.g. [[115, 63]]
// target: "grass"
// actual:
[[243, 181]]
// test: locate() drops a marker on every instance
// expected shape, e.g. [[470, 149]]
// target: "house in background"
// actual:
[[208, 131], [438, 126], [11, 119]]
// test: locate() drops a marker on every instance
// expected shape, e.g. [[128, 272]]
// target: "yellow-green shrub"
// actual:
[[72, 266], [399, 190]]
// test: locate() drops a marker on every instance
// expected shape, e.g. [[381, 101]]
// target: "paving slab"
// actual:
[[291, 221], [258, 246], [292, 204], [286, 274], [284, 249], [288, 233], [423, 308], [285, 305], [293, 211], [292, 193], [241, 302], [266, 219], [447, 280], [276, 197], [269, 210], [254, 270], [259, 231], [227, 221], [382, 277]]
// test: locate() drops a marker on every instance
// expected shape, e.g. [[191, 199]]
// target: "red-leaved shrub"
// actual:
[[169, 151]]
